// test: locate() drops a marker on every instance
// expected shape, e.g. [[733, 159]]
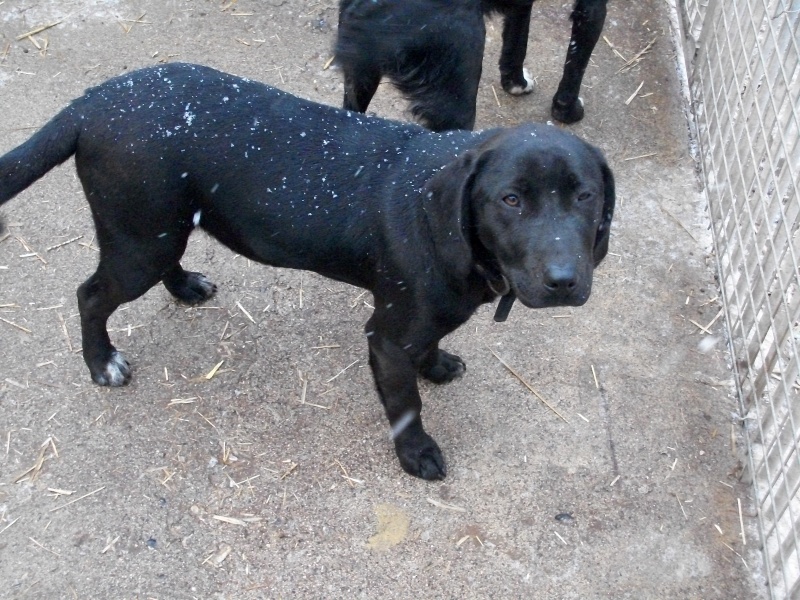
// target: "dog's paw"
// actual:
[[193, 288], [519, 88], [567, 113], [420, 456], [446, 368], [115, 373]]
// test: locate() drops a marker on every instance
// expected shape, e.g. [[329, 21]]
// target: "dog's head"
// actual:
[[533, 205]]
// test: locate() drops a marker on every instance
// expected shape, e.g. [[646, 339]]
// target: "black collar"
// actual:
[[499, 284]]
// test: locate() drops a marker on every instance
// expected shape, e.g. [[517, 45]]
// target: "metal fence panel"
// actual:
[[744, 68]]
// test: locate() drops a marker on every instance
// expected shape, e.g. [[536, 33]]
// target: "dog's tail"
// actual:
[[49, 147]]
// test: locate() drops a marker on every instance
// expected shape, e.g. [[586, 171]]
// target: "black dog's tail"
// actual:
[[49, 147]]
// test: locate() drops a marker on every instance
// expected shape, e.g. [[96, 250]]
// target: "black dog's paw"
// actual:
[[115, 372], [446, 368], [193, 288], [518, 85], [421, 457], [567, 113]]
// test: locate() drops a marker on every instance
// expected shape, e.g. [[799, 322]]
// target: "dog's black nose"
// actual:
[[560, 280]]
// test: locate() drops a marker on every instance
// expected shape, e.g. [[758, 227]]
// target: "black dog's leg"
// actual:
[[98, 297], [127, 269], [447, 98], [360, 84], [439, 366], [442, 112], [516, 25], [188, 286], [588, 18], [96, 302], [396, 380]]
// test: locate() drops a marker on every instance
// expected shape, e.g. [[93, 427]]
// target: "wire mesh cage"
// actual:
[[744, 70]]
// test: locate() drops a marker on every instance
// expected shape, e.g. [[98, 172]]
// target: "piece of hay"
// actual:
[[77, 499], [39, 29], [231, 520], [452, 507], [527, 385]]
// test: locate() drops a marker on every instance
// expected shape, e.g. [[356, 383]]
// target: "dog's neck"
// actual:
[[498, 283]]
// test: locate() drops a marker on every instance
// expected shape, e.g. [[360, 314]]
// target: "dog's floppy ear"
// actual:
[[609, 197], [446, 198]]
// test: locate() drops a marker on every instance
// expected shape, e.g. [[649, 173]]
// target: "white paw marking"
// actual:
[[205, 284], [117, 371], [530, 83]]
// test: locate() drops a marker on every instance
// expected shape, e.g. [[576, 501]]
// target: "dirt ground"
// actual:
[[195, 483]]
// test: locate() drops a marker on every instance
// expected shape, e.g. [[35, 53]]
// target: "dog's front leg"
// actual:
[[513, 77], [396, 379], [588, 18], [439, 366]]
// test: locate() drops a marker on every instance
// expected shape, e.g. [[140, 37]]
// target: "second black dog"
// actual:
[[432, 50], [432, 224]]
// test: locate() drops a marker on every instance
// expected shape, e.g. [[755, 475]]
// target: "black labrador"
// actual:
[[432, 224], [432, 50]]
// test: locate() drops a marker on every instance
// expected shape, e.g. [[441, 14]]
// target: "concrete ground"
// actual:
[[181, 486]]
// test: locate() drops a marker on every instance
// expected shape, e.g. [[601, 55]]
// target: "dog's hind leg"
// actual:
[[128, 268], [448, 100], [360, 84], [188, 286]]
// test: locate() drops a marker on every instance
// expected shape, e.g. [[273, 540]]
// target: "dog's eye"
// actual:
[[583, 196], [511, 200]]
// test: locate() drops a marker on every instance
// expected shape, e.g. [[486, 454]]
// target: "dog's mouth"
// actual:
[[539, 290], [542, 290], [551, 300]]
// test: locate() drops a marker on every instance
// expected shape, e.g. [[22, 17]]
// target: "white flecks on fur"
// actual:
[[188, 115], [184, 175], [214, 188], [196, 218]]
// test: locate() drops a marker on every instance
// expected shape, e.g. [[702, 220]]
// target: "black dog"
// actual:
[[432, 51], [432, 224]]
